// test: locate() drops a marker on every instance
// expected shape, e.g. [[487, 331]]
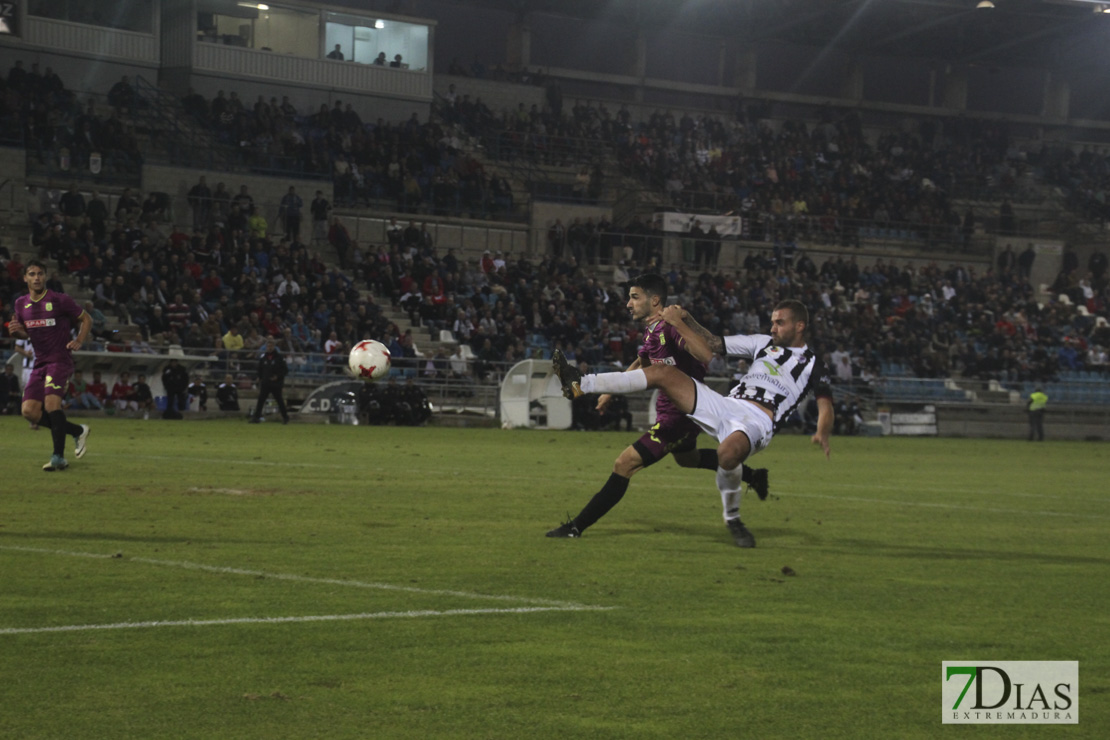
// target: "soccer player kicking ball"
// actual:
[[783, 370], [673, 432], [47, 318]]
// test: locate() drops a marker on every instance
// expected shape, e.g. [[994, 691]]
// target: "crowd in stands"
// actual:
[[223, 289], [932, 321], [231, 281], [60, 130], [822, 179], [411, 165], [1085, 176]]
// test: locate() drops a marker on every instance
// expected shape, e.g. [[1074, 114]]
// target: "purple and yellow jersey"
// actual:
[[663, 345], [49, 323]]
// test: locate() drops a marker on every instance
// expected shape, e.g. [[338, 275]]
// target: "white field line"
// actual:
[[551, 603], [291, 620]]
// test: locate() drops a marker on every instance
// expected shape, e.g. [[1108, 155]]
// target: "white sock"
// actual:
[[633, 380], [730, 483]]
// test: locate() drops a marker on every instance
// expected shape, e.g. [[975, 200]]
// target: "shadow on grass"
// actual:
[[703, 532]]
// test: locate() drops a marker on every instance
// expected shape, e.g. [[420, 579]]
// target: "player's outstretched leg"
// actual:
[[678, 386], [81, 441], [568, 375]]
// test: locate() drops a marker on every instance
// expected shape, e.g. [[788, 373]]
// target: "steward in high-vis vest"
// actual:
[[1037, 402]]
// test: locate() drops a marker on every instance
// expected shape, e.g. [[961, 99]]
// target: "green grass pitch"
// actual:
[[219, 580]]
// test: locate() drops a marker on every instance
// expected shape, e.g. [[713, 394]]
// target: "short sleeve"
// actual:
[[745, 345], [70, 307]]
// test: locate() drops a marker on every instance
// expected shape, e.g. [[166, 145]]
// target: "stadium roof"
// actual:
[[1013, 32]]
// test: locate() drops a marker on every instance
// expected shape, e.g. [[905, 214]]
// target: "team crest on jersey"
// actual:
[[49, 306]]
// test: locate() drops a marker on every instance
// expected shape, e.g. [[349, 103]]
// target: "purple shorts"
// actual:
[[48, 379], [666, 437]]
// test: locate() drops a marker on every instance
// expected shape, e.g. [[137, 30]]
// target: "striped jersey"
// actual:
[[25, 344], [778, 377]]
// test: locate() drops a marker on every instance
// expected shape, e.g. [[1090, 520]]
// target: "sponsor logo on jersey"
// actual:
[[663, 361], [770, 383], [771, 369], [38, 323]]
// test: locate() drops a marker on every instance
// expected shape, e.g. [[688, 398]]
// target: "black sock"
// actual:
[[746, 474], [44, 420], [68, 427], [608, 497], [707, 459], [58, 431]]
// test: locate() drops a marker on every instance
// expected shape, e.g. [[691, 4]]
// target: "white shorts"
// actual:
[[720, 416]]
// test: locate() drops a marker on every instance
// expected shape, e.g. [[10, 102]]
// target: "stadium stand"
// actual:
[[813, 184]]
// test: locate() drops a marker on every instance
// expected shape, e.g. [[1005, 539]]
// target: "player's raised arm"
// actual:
[[825, 417], [715, 342], [697, 342]]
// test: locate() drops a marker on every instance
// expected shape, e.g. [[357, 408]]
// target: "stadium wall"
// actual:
[[1012, 422], [497, 96], [13, 165]]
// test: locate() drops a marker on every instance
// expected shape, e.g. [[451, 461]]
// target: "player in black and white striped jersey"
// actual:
[[783, 371]]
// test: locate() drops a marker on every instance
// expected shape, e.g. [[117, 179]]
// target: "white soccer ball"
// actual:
[[369, 360]]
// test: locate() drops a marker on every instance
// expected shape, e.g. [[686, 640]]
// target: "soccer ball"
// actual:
[[369, 360]]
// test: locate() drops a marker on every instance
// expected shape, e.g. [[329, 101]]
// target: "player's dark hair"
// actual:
[[34, 263], [652, 284], [796, 308]]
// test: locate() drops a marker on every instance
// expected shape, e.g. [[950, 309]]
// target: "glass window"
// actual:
[[362, 39], [263, 27], [126, 15]]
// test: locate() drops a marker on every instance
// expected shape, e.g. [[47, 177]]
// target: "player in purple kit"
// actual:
[[47, 318], [673, 433]]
